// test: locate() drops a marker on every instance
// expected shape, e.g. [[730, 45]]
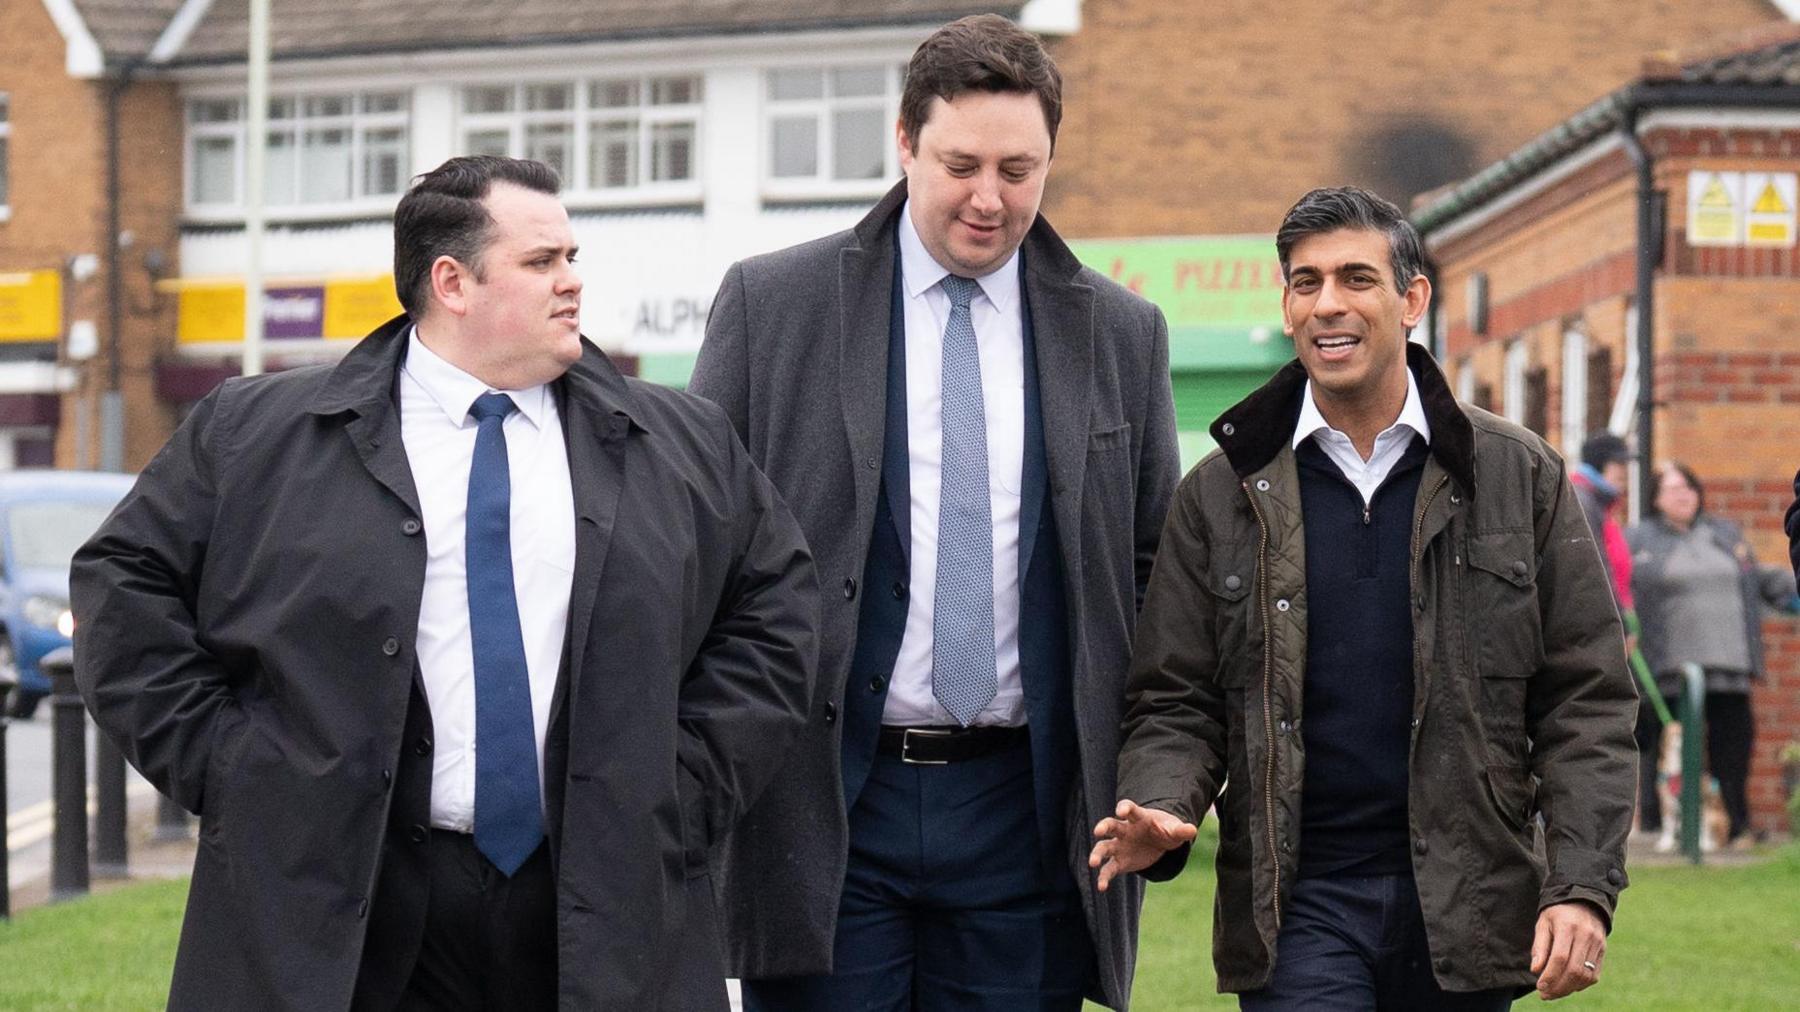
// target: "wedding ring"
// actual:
[[1590, 965]]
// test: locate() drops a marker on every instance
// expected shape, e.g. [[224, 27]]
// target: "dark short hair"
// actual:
[[442, 214], [1687, 475], [982, 52], [1603, 448], [1338, 207]]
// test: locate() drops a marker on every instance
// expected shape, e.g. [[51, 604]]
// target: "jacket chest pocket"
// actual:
[[1229, 585], [1505, 636]]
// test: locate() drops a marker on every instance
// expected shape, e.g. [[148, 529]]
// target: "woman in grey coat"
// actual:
[[1700, 595]]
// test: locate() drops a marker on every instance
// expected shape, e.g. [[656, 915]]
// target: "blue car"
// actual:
[[44, 517]]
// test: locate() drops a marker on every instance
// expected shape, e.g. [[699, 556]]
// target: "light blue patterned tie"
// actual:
[[962, 617], [509, 820]]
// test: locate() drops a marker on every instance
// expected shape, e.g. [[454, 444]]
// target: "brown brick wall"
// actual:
[[1212, 118]]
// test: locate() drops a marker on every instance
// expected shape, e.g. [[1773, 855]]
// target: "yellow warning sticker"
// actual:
[[1770, 220], [1715, 208]]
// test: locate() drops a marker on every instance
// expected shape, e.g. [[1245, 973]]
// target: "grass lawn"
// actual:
[[1707, 938]]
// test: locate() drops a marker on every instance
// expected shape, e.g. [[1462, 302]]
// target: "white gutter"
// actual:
[[175, 35], [82, 56]]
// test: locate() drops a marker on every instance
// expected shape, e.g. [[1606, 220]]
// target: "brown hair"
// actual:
[[982, 52]]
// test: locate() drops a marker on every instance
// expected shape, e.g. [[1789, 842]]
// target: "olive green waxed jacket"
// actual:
[[1522, 701]]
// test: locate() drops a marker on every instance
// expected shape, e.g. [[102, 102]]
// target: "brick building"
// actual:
[[1543, 261], [694, 133]]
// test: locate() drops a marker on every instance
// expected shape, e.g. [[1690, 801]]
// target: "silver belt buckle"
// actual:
[[906, 740]]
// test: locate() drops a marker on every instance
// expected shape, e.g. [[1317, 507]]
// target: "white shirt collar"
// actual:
[[919, 270], [454, 391], [1412, 414]]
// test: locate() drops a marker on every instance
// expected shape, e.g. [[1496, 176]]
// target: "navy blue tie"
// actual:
[[509, 818]]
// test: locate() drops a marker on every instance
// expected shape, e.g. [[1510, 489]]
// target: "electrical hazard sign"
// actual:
[[1769, 218], [1741, 208]]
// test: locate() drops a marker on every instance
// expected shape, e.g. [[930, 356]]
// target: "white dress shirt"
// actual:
[[1390, 445], [439, 436], [999, 337]]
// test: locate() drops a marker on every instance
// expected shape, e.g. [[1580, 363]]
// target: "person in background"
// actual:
[[1700, 595], [1599, 482]]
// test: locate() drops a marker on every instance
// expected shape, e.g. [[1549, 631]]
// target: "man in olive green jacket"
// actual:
[[1412, 686]]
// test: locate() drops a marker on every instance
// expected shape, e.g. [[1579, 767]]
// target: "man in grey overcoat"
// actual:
[[466, 650], [977, 436]]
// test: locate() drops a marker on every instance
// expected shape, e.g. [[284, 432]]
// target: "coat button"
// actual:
[[1232, 582], [849, 588], [1283, 726], [1415, 723], [830, 713], [409, 527], [362, 909], [390, 646], [387, 778], [423, 748], [1419, 846], [418, 833], [1262, 484], [1228, 429], [872, 462], [1444, 965], [877, 683], [1282, 605], [899, 591], [1419, 603], [1615, 877], [1518, 567]]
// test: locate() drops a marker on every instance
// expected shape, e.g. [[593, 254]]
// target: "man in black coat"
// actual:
[[467, 650]]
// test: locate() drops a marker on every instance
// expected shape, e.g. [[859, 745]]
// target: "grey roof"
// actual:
[[345, 27], [125, 29], [1760, 69]]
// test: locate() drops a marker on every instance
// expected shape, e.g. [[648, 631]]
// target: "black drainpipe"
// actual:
[[1649, 254], [112, 447]]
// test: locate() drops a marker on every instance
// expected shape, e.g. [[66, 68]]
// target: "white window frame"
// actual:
[[357, 122], [5, 156], [1465, 379], [579, 190], [821, 186], [1574, 390], [1518, 361]]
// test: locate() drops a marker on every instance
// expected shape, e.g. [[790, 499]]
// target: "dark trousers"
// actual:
[[946, 904], [1730, 733], [1350, 943], [490, 940]]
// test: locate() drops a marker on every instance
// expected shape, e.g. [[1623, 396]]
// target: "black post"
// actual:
[[68, 779], [110, 851], [5, 868]]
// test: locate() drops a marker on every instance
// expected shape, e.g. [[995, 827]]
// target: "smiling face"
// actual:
[[975, 177], [517, 318], [1348, 319]]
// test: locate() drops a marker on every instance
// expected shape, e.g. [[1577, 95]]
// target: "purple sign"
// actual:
[[296, 311]]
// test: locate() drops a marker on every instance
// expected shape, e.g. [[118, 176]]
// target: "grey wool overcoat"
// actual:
[[247, 620], [797, 353]]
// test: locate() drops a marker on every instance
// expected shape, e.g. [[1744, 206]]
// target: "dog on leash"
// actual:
[[1714, 824]]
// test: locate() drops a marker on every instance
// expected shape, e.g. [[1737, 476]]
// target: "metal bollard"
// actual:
[[111, 853], [68, 779], [6, 687], [172, 820], [1693, 766]]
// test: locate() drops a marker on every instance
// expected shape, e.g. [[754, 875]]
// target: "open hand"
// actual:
[[1134, 839]]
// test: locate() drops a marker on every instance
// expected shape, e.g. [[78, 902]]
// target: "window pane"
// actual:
[[215, 170], [613, 154], [672, 151], [613, 94], [384, 102], [850, 82], [280, 166], [858, 147], [496, 98], [281, 108], [328, 105], [487, 142], [549, 143], [794, 145], [791, 84], [546, 97], [325, 165], [213, 110], [675, 91], [384, 152]]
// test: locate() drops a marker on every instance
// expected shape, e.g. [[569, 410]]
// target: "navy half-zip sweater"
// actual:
[[1358, 689]]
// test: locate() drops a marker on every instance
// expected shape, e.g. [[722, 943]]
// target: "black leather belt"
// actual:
[[935, 746]]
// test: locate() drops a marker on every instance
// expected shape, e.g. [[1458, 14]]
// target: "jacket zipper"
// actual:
[[1419, 527], [1262, 571]]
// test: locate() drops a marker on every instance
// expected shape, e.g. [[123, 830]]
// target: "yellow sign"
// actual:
[[1715, 212], [1770, 221], [210, 311], [31, 306], [354, 308]]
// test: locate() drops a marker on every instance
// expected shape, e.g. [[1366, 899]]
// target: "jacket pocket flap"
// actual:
[[1509, 555], [1229, 582], [1109, 438]]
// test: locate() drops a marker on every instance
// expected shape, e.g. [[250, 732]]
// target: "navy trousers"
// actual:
[[946, 903], [1350, 943]]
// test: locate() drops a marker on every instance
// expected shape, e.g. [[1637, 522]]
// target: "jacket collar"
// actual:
[[1252, 432], [363, 381], [1046, 255]]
